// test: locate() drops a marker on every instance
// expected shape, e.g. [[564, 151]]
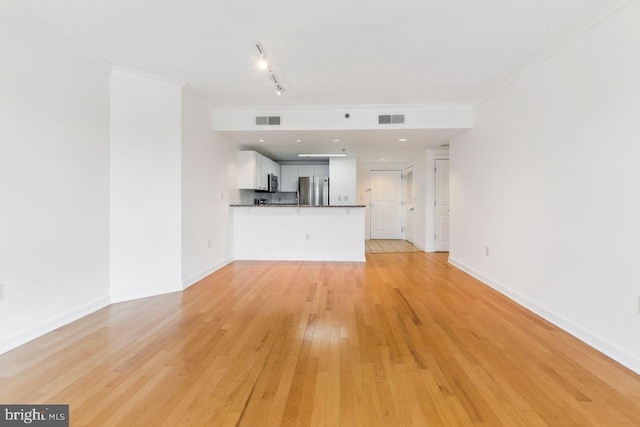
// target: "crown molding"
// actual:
[[130, 74]]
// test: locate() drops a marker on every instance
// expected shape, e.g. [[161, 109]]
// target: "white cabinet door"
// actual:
[[306, 170], [289, 178], [321, 170], [276, 169], [263, 171], [247, 166], [253, 170]]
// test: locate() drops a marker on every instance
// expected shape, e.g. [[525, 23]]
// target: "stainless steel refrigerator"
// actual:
[[314, 190]]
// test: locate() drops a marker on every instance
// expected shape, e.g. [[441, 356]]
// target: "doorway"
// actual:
[[441, 204], [386, 206]]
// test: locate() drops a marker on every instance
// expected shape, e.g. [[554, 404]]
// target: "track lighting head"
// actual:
[[264, 64]]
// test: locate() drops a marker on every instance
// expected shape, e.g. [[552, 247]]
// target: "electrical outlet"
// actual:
[[486, 250], [1, 291], [209, 244], [308, 237], [345, 198], [339, 198], [221, 196]]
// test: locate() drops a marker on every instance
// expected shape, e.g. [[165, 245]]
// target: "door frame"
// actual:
[[430, 198], [405, 220], [435, 226]]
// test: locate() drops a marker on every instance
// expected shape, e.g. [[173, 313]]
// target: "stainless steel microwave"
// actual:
[[273, 183]]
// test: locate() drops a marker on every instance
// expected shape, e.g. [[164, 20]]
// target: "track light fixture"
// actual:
[[263, 63]]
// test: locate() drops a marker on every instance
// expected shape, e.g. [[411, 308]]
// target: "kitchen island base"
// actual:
[[299, 233]]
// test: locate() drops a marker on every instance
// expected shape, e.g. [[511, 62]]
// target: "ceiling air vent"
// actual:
[[387, 119], [268, 120]]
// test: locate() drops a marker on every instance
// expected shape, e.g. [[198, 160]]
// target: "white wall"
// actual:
[[146, 134], [54, 181], [208, 179], [548, 179], [342, 181]]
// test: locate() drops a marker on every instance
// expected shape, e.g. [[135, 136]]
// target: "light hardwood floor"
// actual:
[[389, 245], [404, 340]]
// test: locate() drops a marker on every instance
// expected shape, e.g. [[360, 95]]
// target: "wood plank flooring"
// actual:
[[389, 245], [403, 340]]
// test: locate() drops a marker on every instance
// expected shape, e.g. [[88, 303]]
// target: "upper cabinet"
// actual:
[[291, 173], [289, 178], [254, 169], [321, 170], [313, 170]]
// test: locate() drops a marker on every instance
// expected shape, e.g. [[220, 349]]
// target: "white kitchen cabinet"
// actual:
[[263, 171], [320, 170], [289, 178], [253, 169], [313, 170], [274, 168], [306, 170], [291, 173]]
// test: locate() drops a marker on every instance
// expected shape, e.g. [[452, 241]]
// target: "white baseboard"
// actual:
[[602, 345], [199, 276], [42, 328], [419, 246], [147, 292]]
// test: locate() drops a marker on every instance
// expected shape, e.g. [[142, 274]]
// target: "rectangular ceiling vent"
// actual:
[[268, 120], [388, 119]]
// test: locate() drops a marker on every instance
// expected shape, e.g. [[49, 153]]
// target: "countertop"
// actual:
[[284, 205]]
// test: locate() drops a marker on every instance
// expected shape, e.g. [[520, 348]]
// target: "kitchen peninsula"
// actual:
[[301, 233]]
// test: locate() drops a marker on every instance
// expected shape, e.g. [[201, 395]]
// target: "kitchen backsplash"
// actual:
[[247, 197]]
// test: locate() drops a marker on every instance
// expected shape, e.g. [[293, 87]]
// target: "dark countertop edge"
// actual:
[[297, 206]]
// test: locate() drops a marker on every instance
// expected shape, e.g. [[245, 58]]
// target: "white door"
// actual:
[[409, 199], [442, 206], [386, 207]]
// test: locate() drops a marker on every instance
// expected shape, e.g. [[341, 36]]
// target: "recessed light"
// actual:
[[402, 140], [382, 158], [336, 140], [263, 64], [298, 140], [261, 140]]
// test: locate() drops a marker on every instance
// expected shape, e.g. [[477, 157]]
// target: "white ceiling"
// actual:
[[365, 145], [328, 52]]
